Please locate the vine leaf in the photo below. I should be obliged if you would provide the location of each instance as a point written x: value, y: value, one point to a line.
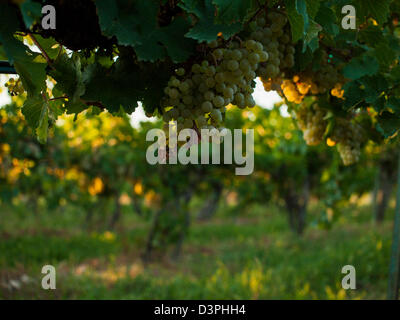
x: 117, y: 20
x: 115, y: 87
x: 27, y: 63
x: 374, y: 86
x: 385, y: 55
x: 231, y: 11
x: 36, y: 113
x: 353, y: 94
x: 206, y: 29
x: 379, y: 10
x: 388, y: 124
x: 31, y: 12
x: 311, y: 37
x: 135, y: 24
x: 327, y: 19
x: 43, y: 126
x: 313, y: 7
x: 361, y: 66
x: 167, y: 41
x: 296, y: 20
x: 68, y: 74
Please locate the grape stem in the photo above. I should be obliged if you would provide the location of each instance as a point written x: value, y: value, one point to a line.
x: 94, y: 103
x: 88, y: 103
x: 58, y: 98
x: 240, y: 40
x: 45, y: 55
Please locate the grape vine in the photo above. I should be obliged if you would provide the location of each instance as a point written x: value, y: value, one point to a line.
x: 189, y: 61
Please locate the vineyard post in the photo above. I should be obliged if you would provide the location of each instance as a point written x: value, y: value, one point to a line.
x: 394, y: 269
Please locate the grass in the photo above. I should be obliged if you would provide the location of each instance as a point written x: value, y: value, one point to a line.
x: 250, y: 257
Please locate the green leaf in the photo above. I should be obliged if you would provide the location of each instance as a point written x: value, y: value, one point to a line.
x: 49, y: 45
x: 379, y: 10
x: 231, y: 11
x: 75, y: 107
x: 394, y: 104
x: 135, y: 24
x: 301, y: 8
x: 388, y: 124
x: 380, y: 104
x: 327, y: 19
x: 313, y: 7
x: 374, y: 87
x: 296, y: 20
x: 169, y: 41
x: 36, y: 113
x: 26, y: 62
x: 68, y: 74
x: 395, y: 74
x: 372, y: 35
x: 43, y: 127
x: 113, y: 87
x: 303, y: 59
x: 33, y: 110
x: 31, y: 12
x: 206, y: 29
x: 361, y: 66
x: 353, y: 94
x: 312, y: 34
x: 385, y: 55
x: 116, y: 18
x: 33, y: 75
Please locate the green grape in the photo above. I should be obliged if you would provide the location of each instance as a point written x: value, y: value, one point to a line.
x: 218, y: 101
x: 220, y: 77
x: 173, y: 93
x: 201, y: 121
x: 213, y: 44
x: 233, y: 65
x: 228, y: 93
x: 218, y: 54
x: 209, y: 95
x: 237, y: 55
x: 184, y: 86
x: 188, y: 123
x: 188, y: 100
x: 220, y: 87
x: 174, y: 113
x: 186, y: 113
x: 207, y: 106
x: 196, y: 68
x: 210, y: 82
x: 180, y: 72
x: 216, y: 115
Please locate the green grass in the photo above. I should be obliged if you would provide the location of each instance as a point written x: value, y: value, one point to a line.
x: 249, y: 257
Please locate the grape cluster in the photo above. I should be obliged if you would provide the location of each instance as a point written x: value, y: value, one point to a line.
x: 346, y: 134
x: 272, y: 30
x: 201, y: 95
x: 15, y: 87
x: 198, y: 97
x: 327, y: 77
x: 311, y: 121
x: 338, y: 91
x: 349, y: 137
x: 294, y: 89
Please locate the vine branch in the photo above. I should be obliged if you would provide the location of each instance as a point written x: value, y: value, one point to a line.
x: 45, y: 55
